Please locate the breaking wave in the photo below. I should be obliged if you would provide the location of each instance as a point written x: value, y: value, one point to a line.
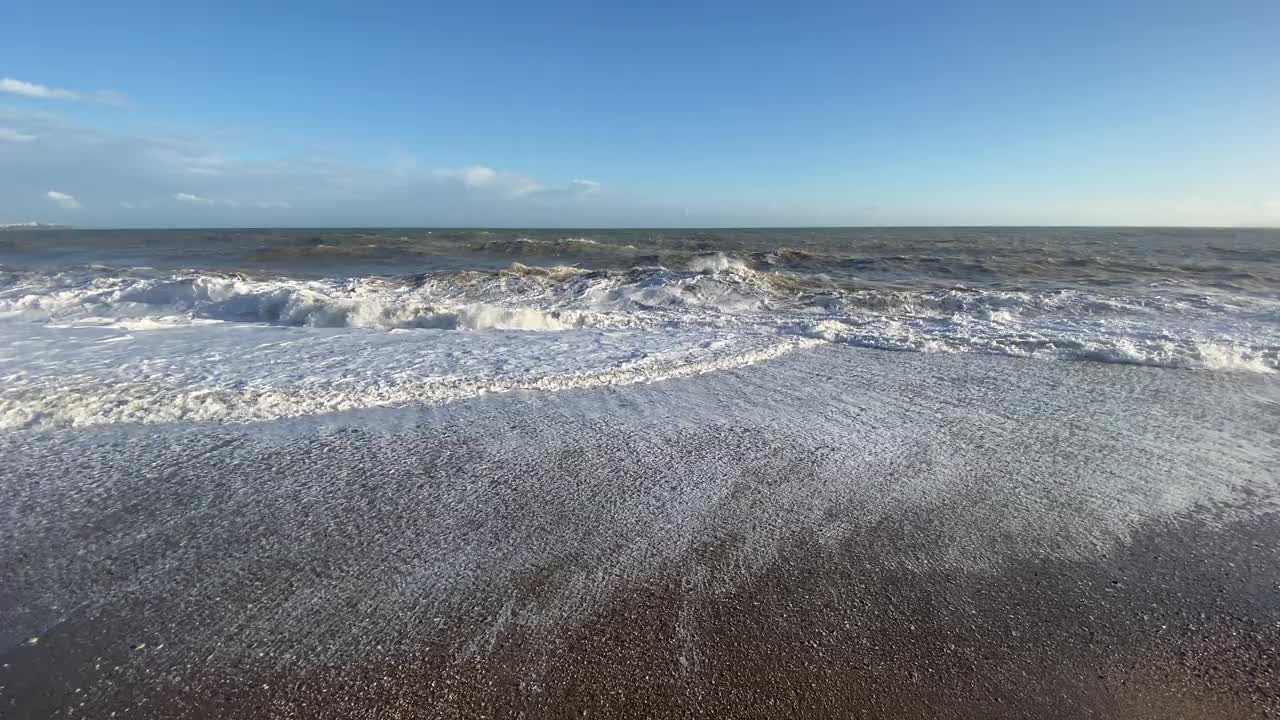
x: 360, y: 303
x: 712, y: 291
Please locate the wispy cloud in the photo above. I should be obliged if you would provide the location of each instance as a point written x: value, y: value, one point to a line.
x: 11, y: 135
x: 178, y: 178
x: 45, y: 92
x: 485, y: 178
x: 35, y: 90
x: 190, y: 199
x: 478, y: 176
x: 65, y: 201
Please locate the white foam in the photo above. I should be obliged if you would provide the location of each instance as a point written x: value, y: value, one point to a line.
x: 368, y: 303
x: 100, y: 345
x: 76, y: 376
x: 717, y: 262
x: 1061, y: 340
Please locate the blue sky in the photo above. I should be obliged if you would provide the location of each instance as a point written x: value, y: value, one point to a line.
x: 656, y: 113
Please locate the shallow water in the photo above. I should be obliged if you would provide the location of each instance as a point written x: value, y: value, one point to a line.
x: 832, y: 532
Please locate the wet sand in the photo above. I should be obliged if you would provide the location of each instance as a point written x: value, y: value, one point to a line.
x: 902, y: 537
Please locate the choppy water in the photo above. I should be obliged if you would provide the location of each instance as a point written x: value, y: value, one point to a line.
x: 144, y: 326
x: 1244, y: 260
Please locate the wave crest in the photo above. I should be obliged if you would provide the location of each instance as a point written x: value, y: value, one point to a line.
x: 365, y: 303
x: 712, y: 291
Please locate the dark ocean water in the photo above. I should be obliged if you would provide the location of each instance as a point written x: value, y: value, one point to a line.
x: 1240, y: 260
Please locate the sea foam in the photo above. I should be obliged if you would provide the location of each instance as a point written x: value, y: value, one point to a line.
x: 97, y: 345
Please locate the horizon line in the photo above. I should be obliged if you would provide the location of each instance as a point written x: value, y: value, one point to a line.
x: 616, y: 228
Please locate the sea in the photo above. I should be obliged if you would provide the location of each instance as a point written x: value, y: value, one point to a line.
x: 961, y: 472
x: 148, y: 326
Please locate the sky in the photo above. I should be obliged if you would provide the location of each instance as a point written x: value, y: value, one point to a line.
x: 588, y: 114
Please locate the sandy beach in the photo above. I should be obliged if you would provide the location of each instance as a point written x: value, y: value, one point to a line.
x: 840, y: 533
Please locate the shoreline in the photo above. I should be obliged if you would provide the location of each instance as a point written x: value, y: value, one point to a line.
x: 1043, y: 639
x: 830, y: 534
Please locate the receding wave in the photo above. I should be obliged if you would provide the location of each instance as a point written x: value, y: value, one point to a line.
x: 187, y: 383
x: 1101, y: 345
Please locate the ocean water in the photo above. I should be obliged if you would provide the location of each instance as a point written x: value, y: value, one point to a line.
x: 606, y: 472
x: 160, y: 326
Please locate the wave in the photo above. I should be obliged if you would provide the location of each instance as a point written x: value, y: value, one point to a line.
x: 155, y: 378
x: 527, y: 247
x: 711, y: 291
x: 362, y: 303
x: 519, y: 297
x: 717, y: 263
x: 1118, y: 345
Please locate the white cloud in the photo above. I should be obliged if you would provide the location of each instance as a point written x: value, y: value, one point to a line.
x: 11, y: 135
x: 478, y: 176
x: 484, y: 178
x: 44, y: 92
x: 131, y: 179
x: 33, y: 90
x: 65, y: 201
x: 192, y: 199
